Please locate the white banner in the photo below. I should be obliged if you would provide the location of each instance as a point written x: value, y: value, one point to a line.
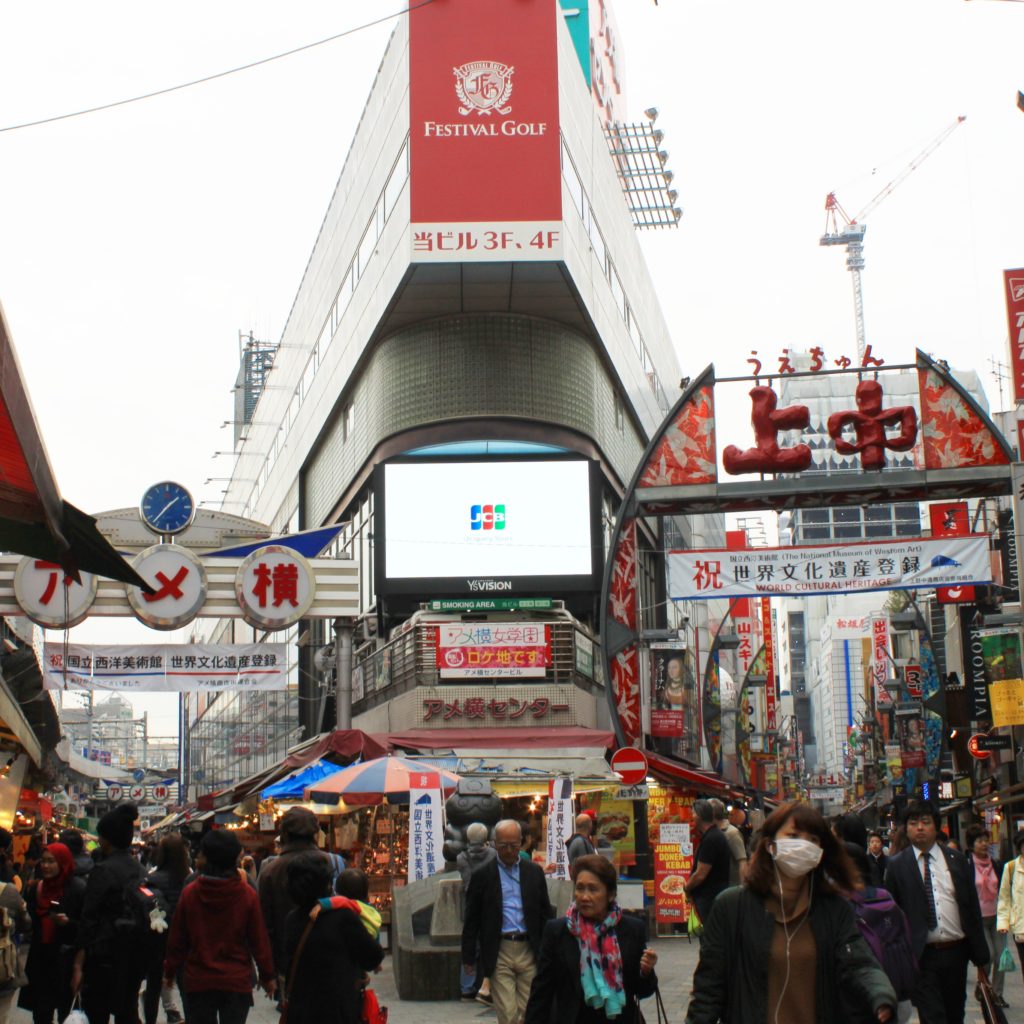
x: 426, y: 825
x: 165, y: 667
x: 906, y: 564
x: 561, y: 824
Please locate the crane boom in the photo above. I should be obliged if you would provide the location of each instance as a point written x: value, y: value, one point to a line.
x: 841, y: 229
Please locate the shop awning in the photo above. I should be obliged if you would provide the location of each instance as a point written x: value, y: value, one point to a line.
x: 675, y: 772
x: 34, y: 519
x: 291, y: 787
x: 557, y: 738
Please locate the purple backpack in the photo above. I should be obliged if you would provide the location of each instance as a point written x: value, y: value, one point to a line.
x: 885, y: 929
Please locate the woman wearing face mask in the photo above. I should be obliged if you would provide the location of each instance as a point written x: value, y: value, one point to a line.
x: 784, y: 945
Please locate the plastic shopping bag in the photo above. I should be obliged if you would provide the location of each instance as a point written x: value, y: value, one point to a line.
x: 694, y: 926
x: 1006, y: 957
x: 77, y: 1014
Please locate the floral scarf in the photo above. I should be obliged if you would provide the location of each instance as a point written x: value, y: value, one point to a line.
x: 600, y: 960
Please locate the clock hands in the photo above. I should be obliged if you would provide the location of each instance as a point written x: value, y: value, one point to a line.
x: 160, y: 514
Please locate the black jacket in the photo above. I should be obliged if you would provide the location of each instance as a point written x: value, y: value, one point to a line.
x: 997, y: 866
x: 104, y: 903
x: 326, y: 987
x: 170, y: 888
x: 878, y: 867
x: 557, y: 993
x: 904, y: 881
x: 49, y: 965
x: 483, y: 912
x: 731, y: 981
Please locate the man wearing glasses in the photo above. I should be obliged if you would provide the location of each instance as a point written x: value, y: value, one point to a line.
x: 507, y: 906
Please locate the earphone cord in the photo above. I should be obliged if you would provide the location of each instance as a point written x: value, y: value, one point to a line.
x: 785, y: 928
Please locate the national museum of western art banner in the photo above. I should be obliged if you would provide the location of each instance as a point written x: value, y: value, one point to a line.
x: 176, y: 668
x: 905, y: 564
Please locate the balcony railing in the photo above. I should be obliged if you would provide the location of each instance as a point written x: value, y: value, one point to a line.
x: 410, y: 660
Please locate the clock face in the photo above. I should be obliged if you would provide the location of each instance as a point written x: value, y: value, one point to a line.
x: 167, y: 507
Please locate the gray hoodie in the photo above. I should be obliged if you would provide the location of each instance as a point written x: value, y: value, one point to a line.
x: 472, y: 857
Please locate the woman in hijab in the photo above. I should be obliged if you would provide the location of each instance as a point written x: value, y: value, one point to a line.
x: 55, y: 903
x: 594, y: 962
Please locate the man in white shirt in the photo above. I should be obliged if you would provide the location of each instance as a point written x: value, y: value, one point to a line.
x: 933, y: 886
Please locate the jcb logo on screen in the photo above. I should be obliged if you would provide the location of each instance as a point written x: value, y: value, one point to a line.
x: 487, y: 517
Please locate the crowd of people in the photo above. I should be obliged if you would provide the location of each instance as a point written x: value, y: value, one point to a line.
x: 195, y: 929
x: 822, y: 922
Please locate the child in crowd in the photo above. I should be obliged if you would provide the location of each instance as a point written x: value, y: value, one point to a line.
x: 353, y: 893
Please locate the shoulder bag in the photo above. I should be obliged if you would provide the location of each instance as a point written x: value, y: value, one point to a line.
x: 295, y: 964
x: 659, y: 1006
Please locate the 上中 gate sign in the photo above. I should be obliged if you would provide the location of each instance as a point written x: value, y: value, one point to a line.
x: 905, y: 564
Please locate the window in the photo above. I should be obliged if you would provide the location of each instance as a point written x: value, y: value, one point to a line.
x: 399, y: 175
x: 617, y: 293
x: 366, y: 247
x: 572, y: 181
x: 346, y: 422
x: 620, y: 415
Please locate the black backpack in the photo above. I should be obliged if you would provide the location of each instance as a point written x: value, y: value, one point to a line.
x: 885, y: 929
x: 143, y: 908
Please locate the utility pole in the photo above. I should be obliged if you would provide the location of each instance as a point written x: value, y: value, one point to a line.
x: 343, y: 673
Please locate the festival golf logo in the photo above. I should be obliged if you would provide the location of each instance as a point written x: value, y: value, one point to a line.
x: 483, y: 86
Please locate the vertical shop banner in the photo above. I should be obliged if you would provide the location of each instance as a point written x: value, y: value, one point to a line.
x: 1013, y: 281
x: 485, y: 162
x: 673, y: 862
x: 670, y: 693
x: 561, y: 821
x: 894, y: 763
x: 910, y: 730
x: 771, y: 690
x: 976, y: 677
x: 426, y: 826
x: 1007, y: 547
x: 951, y: 519
x: 880, y: 657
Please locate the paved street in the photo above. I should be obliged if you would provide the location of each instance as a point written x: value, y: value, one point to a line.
x: 676, y: 961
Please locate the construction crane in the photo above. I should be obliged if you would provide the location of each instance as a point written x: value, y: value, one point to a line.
x: 841, y: 229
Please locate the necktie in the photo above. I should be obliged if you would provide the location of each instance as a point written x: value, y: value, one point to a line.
x: 929, y: 892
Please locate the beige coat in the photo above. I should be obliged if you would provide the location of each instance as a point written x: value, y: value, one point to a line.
x: 1010, y: 907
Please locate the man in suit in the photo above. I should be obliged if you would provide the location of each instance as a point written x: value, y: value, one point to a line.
x: 933, y: 886
x: 507, y: 906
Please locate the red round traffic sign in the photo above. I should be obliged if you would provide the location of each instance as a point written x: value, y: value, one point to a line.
x: 974, y: 748
x: 630, y: 765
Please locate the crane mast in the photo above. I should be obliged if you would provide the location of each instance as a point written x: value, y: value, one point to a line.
x: 841, y: 229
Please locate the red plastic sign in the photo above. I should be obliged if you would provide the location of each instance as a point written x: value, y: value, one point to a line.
x: 974, y: 748
x: 630, y: 765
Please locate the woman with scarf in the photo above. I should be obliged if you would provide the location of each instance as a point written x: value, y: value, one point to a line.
x: 55, y: 904
x: 987, y: 873
x: 594, y: 962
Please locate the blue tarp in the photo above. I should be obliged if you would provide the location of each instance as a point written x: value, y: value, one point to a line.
x: 292, y: 787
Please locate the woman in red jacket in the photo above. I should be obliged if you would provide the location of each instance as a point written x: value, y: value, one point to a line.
x: 217, y: 932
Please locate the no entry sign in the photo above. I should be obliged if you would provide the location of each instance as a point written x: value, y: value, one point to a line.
x: 630, y: 765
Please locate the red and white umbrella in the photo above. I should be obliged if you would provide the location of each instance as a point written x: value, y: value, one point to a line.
x: 382, y: 780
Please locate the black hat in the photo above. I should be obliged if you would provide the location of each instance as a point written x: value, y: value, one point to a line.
x: 1018, y: 840
x: 221, y: 849
x: 118, y: 826
x: 299, y: 823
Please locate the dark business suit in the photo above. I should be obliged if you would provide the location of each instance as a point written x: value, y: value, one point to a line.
x: 941, y: 991
x: 557, y: 993
x: 484, y: 910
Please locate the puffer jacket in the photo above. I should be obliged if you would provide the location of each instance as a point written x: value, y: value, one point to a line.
x: 1010, y: 905
x: 731, y: 983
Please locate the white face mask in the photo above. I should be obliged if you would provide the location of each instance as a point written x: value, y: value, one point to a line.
x: 796, y: 857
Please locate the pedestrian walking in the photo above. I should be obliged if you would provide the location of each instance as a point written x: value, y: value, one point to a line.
x: 72, y: 839
x: 733, y: 836
x: 877, y: 860
x: 216, y: 934
x: 171, y: 873
x: 579, y: 843
x: 109, y: 966
x: 933, y: 886
x: 55, y: 905
x: 477, y: 853
x: 506, y: 908
x: 987, y: 873
x: 326, y: 955
x: 1010, y: 905
x: 710, y: 875
x: 298, y: 831
x: 784, y: 948
x: 594, y: 963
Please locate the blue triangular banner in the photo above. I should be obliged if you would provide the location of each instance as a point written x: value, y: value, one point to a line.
x: 309, y: 543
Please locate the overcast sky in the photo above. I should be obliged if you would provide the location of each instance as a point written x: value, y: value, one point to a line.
x: 136, y: 243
